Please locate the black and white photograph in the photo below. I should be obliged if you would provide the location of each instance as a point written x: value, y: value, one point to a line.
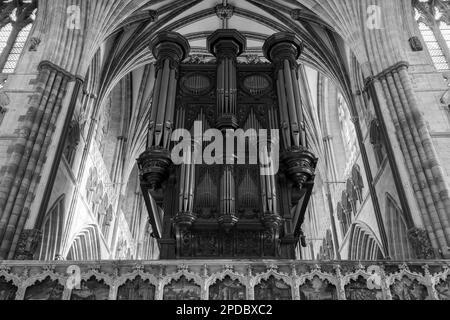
x: 220, y: 158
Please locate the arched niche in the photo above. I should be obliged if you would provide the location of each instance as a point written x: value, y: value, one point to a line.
x: 91, y: 289
x: 273, y: 288
x: 138, y: 288
x: 182, y: 289
x: 357, y: 289
x: 318, y: 289
x: 46, y: 289
x: 227, y: 289
x: 7, y: 289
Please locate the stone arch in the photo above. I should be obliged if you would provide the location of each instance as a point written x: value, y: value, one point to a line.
x: 397, y: 231
x: 377, y: 141
x: 364, y: 245
x: 52, y: 231
x: 86, y: 245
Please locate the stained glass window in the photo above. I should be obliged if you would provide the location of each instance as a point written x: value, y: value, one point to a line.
x: 5, y: 32
x: 16, y: 50
x: 433, y: 47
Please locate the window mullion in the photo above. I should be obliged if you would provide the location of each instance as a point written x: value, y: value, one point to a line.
x: 441, y: 41
x: 16, y: 27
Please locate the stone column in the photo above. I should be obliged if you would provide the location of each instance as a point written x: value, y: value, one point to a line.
x: 393, y: 89
x: 28, y: 155
x: 283, y: 50
x: 169, y: 49
x: 227, y: 45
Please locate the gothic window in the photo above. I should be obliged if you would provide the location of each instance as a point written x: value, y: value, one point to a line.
x: 52, y: 231
x: 86, y: 246
x: 434, y: 48
x: 72, y: 141
x: 5, y: 32
x: 329, y: 246
x: 97, y: 197
x: 364, y: 246
x: 352, y: 196
x: 91, y: 183
x: 102, y: 210
x: 348, y: 131
x: 435, y: 30
x: 377, y: 140
x: 358, y: 182
x: 106, y: 224
x: 346, y: 205
x: 16, y: 50
x: 343, y: 219
x: 15, y: 27
x: 397, y: 230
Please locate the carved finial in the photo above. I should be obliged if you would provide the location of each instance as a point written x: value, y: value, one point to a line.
x: 183, y: 267
x: 293, y: 270
x: 250, y: 271
x: 48, y: 268
x: 361, y: 267
x: 116, y: 269
x: 229, y: 267
x: 139, y: 267
x: 5, y: 268
x: 162, y: 271
x: 403, y: 267
x: 317, y: 267
x: 25, y: 272
x: 272, y: 267
x: 224, y: 12
x: 205, y: 271
x: 337, y: 268
x: 426, y: 269
x: 34, y: 44
x: 95, y: 268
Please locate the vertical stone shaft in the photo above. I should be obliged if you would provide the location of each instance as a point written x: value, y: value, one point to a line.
x: 421, y: 159
x: 27, y: 159
x: 227, y: 45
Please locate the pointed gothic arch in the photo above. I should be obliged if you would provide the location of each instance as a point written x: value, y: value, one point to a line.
x: 377, y: 141
x: 397, y: 231
x: 364, y: 245
x: 52, y: 231
x: 86, y: 245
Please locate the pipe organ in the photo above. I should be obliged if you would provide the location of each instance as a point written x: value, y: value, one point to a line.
x: 233, y: 207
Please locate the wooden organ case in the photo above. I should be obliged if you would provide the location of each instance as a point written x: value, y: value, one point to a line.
x: 227, y: 211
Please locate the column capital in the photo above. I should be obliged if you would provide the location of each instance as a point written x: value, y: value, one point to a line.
x: 283, y: 45
x: 170, y: 45
x: 227, y: 41
x: 53, y: 67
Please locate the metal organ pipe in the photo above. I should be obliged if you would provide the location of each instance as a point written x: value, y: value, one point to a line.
x: 227, y: 45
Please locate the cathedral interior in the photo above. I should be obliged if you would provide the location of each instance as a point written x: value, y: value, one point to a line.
x: 353, y: 96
